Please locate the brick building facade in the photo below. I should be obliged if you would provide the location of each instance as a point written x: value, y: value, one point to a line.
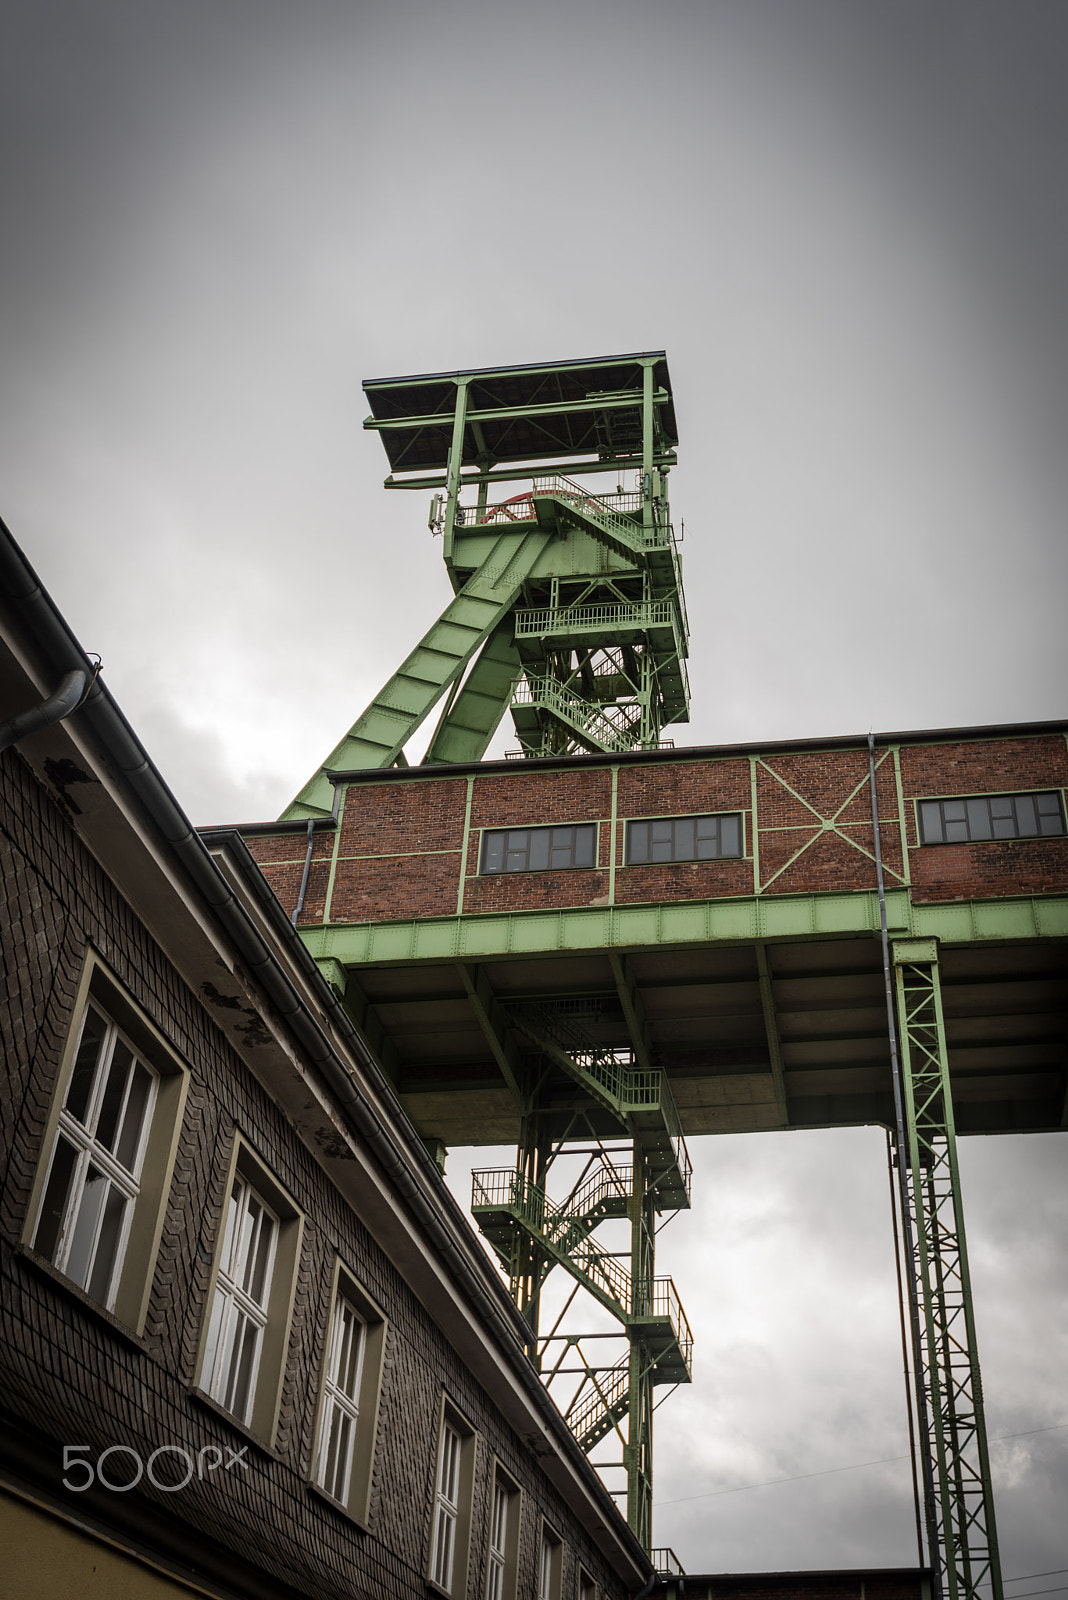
x: 409, y: 845
x: 207, y: 1187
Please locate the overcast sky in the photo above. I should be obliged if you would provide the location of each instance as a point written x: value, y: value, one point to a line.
x: 847, y: 223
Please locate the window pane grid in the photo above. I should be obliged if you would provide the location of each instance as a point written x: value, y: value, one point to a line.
x: 498, y: 1550
x: 239, y: 1311
x: 93, y: 1181
x: 447, y: 1507
x: 994, y: 816
x: 341, y: 1389
x: 539, y: 849
x: 708, y: 838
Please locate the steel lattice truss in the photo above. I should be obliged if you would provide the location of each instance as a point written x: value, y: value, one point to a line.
x: 960, y: 1511
x: 532, y: 1234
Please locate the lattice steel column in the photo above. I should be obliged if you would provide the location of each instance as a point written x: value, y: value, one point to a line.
x: 638, y: 1454
x: 947, y: 1377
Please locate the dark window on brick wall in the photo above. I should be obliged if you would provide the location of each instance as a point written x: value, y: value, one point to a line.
x: 537, y: 849
x: 991, y: 816
x: 684, y: 838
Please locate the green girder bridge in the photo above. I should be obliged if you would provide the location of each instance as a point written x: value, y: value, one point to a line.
x: 596, y: 1032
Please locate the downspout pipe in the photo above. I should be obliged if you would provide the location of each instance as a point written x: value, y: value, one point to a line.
x: 104, y: 722
x: 299, y: 907
x: 67, y: 698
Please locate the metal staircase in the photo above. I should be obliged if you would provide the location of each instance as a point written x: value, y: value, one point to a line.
x: 639, y: 1097
x: 532, y: 1233
x: 502, y: 1200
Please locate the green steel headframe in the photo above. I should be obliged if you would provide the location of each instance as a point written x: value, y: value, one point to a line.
x: 568, y: 611
x: 567, y: 602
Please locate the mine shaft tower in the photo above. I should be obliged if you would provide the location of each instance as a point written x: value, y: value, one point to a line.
x: 567, y: 606
x: 568, y: 612
x: 605, y: 944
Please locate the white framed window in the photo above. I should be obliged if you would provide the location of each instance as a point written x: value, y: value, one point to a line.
x: 97, y: 1208
x: 348, y: 1402
x: 502, y: 1556
x: 550, y: 1564
x: 451, y: 1532
x: 446, y: 1507
x: 250, y: 1299
x: 341, y: 1400
x: 587, y: 1589
x: 93, y: 1178
x: 241, y: 1300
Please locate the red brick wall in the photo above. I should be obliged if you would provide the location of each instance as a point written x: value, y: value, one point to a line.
x: 400, y: 843
x: 503, y: 800
x: 397, y: 818
x: 683, y: 788
x: 987, y: 766
x: 396, y: 888
x: 993, y: 867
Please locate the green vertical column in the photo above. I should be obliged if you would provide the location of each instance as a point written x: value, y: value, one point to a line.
x: 528, y: 1262
x: 638, y: 1451
x: 452, y: 487
x: 948, y: 1378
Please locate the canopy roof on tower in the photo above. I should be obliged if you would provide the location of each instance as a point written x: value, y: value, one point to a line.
x: 547, y: 411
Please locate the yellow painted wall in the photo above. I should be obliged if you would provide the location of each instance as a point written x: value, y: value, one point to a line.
x: 44, y: 1557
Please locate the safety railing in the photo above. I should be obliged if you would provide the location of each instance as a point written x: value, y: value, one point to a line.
x: 602, y: 1395
x: 497, y: 1188
x: 593, y: 720
x: 565, y: 1228
x: 607, y: 1067
x: 604, y: 509
x: 633, y: 1088
x: 666, y: 1562
x: 560, y: 1227
x: 670, y: 1113
x: 606, y: 1183
x: 520, y: 508
x: 661, y: 1300
x: 601, y: 618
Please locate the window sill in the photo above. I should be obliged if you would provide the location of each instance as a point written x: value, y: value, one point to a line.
x: 528, y: 872
x: 266, y: 1450
x: 338, y: 1506
x: 28, y: 1257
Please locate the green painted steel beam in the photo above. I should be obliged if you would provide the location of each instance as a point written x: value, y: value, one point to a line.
x: 620, y: 463
x: 559, y: 408
x: 771, y: 1028
x: 493, y: 1021
x: 472, y: 718
x: 633, y: 1009
x: 524, y: 370
x: 744, y: 920
x: 380, y: 734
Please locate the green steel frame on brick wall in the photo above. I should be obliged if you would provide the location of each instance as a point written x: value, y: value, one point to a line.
x: 568, y: 612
